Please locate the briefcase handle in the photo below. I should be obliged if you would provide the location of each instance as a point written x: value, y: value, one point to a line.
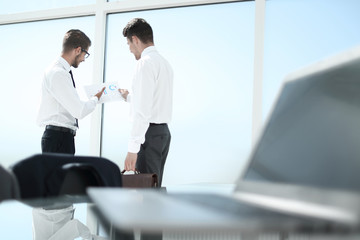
x: 135, y: 172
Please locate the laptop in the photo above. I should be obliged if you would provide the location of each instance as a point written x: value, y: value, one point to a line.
x: 303, y: 172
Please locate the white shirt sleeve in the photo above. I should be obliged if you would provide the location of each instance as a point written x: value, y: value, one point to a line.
x: 66, y: 95
x: 142, y: 102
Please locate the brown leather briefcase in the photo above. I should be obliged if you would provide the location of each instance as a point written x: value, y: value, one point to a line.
x: 139, y: 180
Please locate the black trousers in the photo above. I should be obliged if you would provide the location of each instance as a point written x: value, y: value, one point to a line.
x: 153, y: 152
x: 57, y: 142
x: 152, y: 157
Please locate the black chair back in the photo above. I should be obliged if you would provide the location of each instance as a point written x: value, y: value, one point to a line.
x: 9, y: 188
x: 52, y: 174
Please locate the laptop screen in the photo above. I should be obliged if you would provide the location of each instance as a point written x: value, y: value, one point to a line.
x: 312, y: 137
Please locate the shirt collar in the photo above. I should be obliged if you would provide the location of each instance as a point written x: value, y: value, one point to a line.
x: 64, y: 63
x: 148, y: 50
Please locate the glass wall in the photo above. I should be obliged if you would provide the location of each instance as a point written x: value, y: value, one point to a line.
x: 8, y: 7
x: 298, y: 33
x: 211, y: 51
x: 27, y: 49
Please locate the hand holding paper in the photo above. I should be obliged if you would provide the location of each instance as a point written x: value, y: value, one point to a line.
x: 110, y: 92
x: 99, y: 94
x: 124, y: 93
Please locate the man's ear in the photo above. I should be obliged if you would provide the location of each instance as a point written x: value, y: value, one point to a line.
x: 135, y: 39
x: 77, y: 50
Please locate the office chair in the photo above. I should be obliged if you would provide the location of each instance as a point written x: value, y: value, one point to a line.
x: 77, y: 177
x: 49, y: 175
x: 9, y: 188
x: 53, y: 174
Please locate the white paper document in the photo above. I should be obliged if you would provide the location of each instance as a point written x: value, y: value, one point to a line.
x: 111, y: 92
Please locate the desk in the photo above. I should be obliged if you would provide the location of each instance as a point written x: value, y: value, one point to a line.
x: 16, y: 222
x: 16, y: 217
x: 133, y: 209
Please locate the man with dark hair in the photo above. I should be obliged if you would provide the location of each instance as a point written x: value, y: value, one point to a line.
x: 75, y: 38
x: 151, y: 102
x: 141, y: 29
x: 61, y: 106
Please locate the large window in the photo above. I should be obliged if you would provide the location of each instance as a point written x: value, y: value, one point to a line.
x: 211, y: 51
x: 8, y: 7
x: 26, y: 51
x: 298, y: 33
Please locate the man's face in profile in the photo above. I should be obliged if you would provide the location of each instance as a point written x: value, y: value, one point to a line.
x: 134, y: 47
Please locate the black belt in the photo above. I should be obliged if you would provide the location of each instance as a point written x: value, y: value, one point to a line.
x: 61, y: 129
x: 154, y: 124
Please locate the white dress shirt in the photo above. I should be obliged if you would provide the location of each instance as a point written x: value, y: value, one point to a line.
x: 152, y: 95
x: 60, y: 103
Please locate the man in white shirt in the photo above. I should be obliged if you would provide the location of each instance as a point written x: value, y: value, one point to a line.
x: 151, y: 102
x: 61, y: 106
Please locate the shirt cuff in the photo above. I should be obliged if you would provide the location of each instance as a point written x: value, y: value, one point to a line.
x: 133, y: 147
x: 128, y: 98
x: 94, y: 99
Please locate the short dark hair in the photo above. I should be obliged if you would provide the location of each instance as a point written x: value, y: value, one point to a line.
x: 75, y: 38
x: 140, y: 28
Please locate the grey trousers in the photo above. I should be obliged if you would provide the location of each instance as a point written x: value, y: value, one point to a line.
x: 153, y: 152
x: 152, y: 157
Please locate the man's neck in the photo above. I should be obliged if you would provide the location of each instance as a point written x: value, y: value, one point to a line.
x: 144, y: 46
x: 67, y: 57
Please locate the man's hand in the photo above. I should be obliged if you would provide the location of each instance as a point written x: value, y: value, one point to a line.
x: 124, y: 93
x: 99, y: 94
x: 130, y: 161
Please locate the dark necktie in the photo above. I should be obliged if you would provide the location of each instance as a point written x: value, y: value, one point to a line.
x: 72, y: 78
